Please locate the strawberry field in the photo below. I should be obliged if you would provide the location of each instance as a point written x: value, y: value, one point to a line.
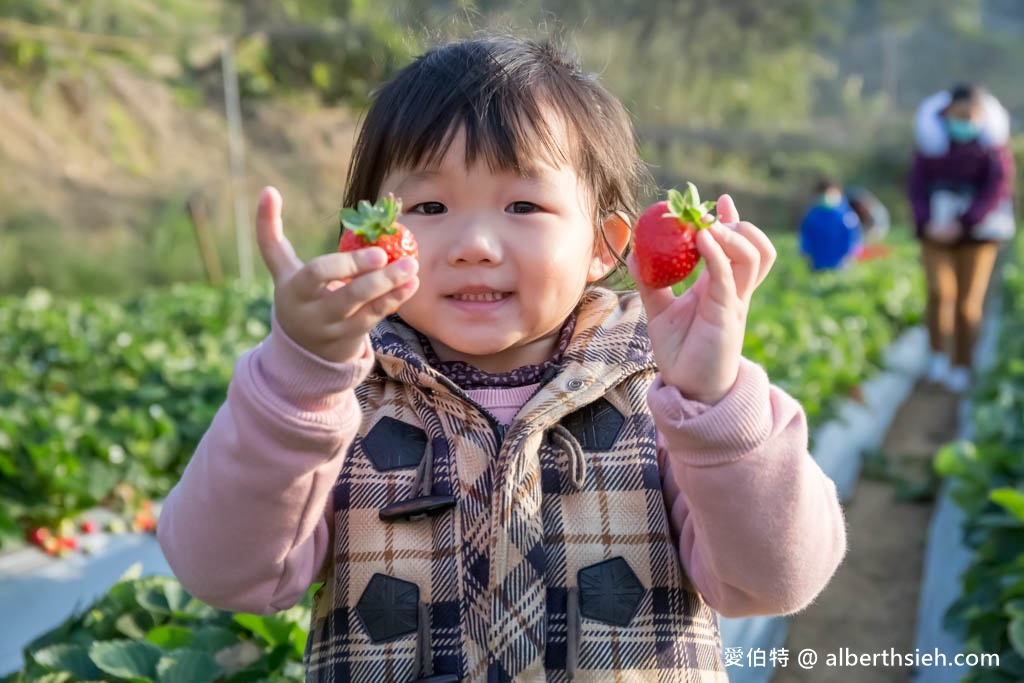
x: 103, y: 401
x: 987, y: 476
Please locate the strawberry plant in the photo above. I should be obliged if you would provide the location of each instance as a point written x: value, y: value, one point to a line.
x: 151, y: 630
x: 987, y: 477
x: 97, y: 393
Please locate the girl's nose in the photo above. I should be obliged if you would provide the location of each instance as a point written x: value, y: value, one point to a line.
x: 474, y: 242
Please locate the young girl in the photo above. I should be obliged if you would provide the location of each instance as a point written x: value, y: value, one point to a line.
x: 520, y: 475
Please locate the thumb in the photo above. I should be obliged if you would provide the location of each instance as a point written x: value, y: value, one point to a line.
x: 276, y: 250
x: 726, y: 210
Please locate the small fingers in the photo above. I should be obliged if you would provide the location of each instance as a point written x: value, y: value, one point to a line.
x: 341, y: 266
x: 764, y: 246
x: 372, y: 312
x: 726, y: 210
x: 721, y: 282
x: 743, y: 255
x: 368, y: 288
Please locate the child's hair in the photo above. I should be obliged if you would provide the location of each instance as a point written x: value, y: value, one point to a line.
x: 969, y: 94
x: 965, y: 92
x: 824, y: 184
x: 496, y: 89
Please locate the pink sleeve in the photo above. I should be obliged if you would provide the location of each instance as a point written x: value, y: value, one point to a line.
x: 245, y: 527
x: 759, y: 524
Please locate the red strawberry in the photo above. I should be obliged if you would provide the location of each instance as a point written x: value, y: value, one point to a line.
x: 144, y: 521
x: 38, y: 536
x: 89, y: 527
x: 52, y: 545
x: 68, y: 543
x: 665, y: 238
x: 375, y: 225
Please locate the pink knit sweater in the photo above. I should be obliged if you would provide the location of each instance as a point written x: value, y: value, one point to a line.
x: 759, y: 525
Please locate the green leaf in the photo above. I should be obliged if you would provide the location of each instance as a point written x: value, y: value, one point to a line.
x: 239, y: 661
x: 188, y: 666
x: 273, y: 629
x: 688, y: 207
x: 214, y: 638
x: 1010, y: 499
x: 127, y: 658
x: 676, y: 203
x: 1016, y: 634
x: 1014, y: 609
x: 372, y: 220
x: 692, y: 196
x: 71, y: 658
x: 177, y: 598
x: 171, y: 637
x: 152, y: 598
x: 128, y: 625
x: 948, y: 462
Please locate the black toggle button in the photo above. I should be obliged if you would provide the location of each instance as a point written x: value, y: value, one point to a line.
x: 415, y: 508
x: 442, y: 678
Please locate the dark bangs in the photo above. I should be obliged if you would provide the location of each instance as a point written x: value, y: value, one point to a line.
x: 498, y: 90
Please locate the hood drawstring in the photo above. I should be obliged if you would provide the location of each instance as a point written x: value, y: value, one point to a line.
x: 564, y: 439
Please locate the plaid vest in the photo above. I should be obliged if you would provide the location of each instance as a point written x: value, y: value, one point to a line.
x: 465, y: 551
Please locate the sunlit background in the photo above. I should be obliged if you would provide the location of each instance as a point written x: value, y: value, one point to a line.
x: 113, y: 112
x: 135, y: 136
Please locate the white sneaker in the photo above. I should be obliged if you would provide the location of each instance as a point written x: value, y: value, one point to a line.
x: 938, y: 368
x: 958, y: 379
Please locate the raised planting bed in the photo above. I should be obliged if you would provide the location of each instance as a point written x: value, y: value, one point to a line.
x: 986, y: 481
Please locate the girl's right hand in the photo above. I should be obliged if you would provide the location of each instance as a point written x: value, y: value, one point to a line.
x: 312, y: 305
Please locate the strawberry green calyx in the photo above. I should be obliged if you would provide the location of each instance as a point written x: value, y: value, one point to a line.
x: 688, y: 207
x: 373, y: 220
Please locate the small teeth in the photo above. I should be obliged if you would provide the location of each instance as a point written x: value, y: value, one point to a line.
x: 491, y: 296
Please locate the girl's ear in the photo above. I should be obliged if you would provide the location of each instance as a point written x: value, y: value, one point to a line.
x: 616, y: 233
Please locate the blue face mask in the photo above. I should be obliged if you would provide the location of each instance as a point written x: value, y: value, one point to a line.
x: 962, y: 131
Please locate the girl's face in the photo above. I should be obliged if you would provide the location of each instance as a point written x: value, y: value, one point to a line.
x: 503, y: 259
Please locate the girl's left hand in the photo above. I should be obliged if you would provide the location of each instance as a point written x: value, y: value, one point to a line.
x: 697, y: 337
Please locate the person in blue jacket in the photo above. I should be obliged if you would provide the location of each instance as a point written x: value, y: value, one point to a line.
x: 830, y: 233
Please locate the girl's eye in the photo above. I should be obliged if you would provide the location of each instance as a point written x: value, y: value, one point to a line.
x: 522, y: 207
x: 429, y: 208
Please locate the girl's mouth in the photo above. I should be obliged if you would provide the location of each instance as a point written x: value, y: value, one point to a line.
x: 484, y: 297
x: 479, y: 302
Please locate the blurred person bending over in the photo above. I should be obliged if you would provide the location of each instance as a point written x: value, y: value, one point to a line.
x: 960, y: 188
x: 830, y: 232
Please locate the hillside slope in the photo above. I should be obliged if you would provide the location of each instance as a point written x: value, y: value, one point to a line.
x: 101, y: 163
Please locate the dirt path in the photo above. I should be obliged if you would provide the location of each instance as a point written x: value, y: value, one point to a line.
x: 871, y: 604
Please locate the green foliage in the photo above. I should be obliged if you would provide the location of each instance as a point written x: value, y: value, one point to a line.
x: 820, y: 334
x: 987, y: 477
x: 95, y: 392
x: 150, y: 631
